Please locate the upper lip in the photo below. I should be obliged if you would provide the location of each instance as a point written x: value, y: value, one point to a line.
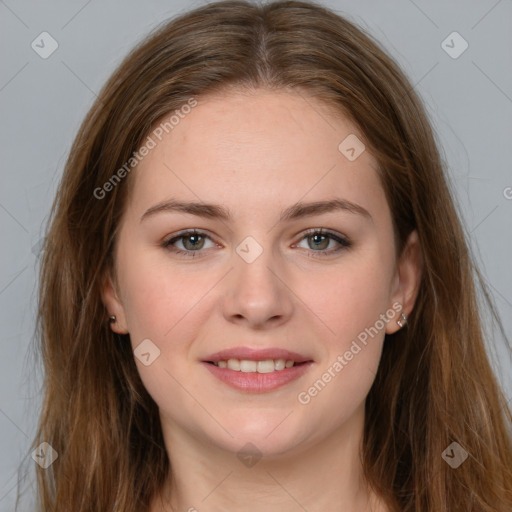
x: 251, y: 354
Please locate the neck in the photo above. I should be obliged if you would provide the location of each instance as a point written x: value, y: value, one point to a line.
x: 322, y: 476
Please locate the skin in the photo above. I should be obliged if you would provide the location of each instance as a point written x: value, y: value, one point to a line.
x: 258, y: 153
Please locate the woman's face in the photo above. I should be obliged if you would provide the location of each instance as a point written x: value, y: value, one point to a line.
x: 258, y: 285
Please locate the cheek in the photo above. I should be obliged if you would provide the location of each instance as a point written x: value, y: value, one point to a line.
x: 349, y: 298
x: 169, y: 307
x: 166, y: 309
x: 156, y: 300
x: 355, y: 305
x: 352, y: 308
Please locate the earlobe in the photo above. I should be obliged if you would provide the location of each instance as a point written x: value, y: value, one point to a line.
x: 409, y: 272
x: 115, y: 311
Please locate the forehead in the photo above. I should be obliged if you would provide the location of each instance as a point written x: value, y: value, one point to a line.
x: 257, y: 149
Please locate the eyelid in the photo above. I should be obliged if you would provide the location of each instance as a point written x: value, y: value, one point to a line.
x: 342, y: 240
x: 325, y: 231
x: 183, y: 232
x: 166, y: 242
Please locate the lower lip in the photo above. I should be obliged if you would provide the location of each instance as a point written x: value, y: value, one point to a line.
x: 258, y: 382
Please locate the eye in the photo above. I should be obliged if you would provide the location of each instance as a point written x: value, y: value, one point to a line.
x: 192, y: 241
x: 319, y: 240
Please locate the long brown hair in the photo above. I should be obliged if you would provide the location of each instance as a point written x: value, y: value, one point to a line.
x: 435, y: 385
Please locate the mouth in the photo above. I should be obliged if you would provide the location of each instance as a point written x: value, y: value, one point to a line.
x: 257, y: 371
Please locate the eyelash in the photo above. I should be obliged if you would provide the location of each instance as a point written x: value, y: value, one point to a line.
x: 343, y: 241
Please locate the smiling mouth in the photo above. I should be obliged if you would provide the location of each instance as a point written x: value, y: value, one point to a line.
x: 251, y: 366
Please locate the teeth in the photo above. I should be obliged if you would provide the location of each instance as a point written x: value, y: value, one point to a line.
x: 267, y: 366
x: 234, y: 364
x: 246, y: 366
x: 280, y: 364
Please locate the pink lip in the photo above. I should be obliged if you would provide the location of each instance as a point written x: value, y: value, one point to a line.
x: 251, y: 354
x: 257, y: 382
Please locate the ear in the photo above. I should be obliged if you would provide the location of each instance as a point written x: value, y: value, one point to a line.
x: 110, y: 298
x: 407, y: 279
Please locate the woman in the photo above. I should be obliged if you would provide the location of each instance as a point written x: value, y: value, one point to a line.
x: 256, y: 293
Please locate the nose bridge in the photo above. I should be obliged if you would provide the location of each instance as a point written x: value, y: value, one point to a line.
x: 255, y: 290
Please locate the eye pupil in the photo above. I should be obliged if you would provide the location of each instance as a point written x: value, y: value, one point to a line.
x: 317, y: 236
x: 195, y: 245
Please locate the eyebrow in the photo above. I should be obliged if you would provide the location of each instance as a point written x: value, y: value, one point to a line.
x: 296, y: 211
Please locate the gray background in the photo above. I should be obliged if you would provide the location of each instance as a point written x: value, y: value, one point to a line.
x: 43, y: 101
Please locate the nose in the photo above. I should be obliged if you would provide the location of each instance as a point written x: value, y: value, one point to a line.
x: 257, y: 294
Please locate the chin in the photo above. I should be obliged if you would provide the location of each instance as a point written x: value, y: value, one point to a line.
x: 271, y: 434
